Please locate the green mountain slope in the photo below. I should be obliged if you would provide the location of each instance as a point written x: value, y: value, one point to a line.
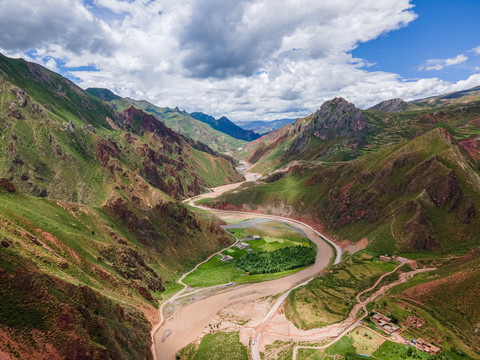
x: 456, y: 97
x: 419, y: 195
x: 185, y: 124
x: 305, y: 142
x: 90, y: 219
x: 177, y: 120
x: 337, y: 131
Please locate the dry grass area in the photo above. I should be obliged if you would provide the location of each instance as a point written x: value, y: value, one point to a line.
x: 366, y: 341
x: 329, y: 299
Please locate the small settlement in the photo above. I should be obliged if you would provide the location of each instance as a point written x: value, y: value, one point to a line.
x: 242, y: 245
x: 384, y: 323
x: 388, y: 258
x: 422, y: 345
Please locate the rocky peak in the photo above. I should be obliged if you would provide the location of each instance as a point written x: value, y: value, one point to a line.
x: 338, y: 118
x: 392, y: 105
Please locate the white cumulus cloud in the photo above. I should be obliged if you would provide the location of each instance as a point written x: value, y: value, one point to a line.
x: 440, y: 64
x: 246, y: 59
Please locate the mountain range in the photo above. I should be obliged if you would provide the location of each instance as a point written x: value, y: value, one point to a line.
x: 263, y: 127
x: 221, y: 135
x: 94, y: 232
x: 226, y: 126
x: 92, y: 227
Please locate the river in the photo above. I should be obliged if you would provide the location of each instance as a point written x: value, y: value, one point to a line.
x: 187, y: 322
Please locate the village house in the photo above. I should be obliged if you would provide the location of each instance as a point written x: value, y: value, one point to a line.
x: 251, y: 237
x: 385, y: 258
x: 424, y: 346
x: 226, y: 258
x: 242, y: 245
x: 384, y: 323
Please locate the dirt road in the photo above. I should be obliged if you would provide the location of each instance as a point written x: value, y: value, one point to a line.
x: 188, y: 322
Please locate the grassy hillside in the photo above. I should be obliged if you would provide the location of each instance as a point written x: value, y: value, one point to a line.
x: 89, y: 209
x: 419, y: 195
x: 289, y: 144
x: 328, y: 299
x: 81, y: 162
x: 179, y: 121
x: 449, y: 297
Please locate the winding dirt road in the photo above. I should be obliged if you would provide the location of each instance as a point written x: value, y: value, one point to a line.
x: 337, y: 331
x: 188, y: 322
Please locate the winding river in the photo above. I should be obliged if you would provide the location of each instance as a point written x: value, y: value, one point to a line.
x: 188, y: 321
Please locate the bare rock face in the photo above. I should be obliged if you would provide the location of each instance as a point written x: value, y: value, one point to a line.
x: 14, y: 112
x: 338, y: 118
x: 392, y: 105
x: 22, y: 98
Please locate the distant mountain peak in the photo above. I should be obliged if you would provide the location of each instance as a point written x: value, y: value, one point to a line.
x: 338, y: 117
x: 226, y: 126
x: 102, y: 93
x: 392, y: 105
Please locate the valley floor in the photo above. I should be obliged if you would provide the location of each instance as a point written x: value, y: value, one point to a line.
x: 255, y: 311
x: 188, y: 322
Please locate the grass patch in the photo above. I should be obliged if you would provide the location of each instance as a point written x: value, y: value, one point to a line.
x: 216, y: 346
x: 329, y: 299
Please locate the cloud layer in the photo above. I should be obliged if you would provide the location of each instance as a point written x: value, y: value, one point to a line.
x: 247, y: 59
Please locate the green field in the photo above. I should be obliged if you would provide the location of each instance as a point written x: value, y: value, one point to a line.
x: 274, y: 236
x: 328, y: 299
x: 218, y: 346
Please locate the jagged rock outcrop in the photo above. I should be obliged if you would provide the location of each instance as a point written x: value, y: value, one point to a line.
x: 338, y: 118
x: 22, y: 99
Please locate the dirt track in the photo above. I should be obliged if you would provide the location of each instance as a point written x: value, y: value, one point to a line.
x: 188, y: 323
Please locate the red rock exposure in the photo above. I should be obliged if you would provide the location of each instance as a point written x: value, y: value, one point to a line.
x: 471, y: 147
x: 106, y: 150
x: 7, y: 185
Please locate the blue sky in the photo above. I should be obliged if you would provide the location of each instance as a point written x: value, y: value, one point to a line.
x: 251, y: 59
x: 443, y: 29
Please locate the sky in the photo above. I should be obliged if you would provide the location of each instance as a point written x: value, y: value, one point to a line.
x: 251, y: 59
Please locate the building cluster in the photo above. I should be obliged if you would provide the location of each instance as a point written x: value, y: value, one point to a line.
x: 415, y: 321
x: 242, y: 245
x: 251, y: 237
x: 384, y: 323
x: 422, y: 345
x: 393, y: 258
